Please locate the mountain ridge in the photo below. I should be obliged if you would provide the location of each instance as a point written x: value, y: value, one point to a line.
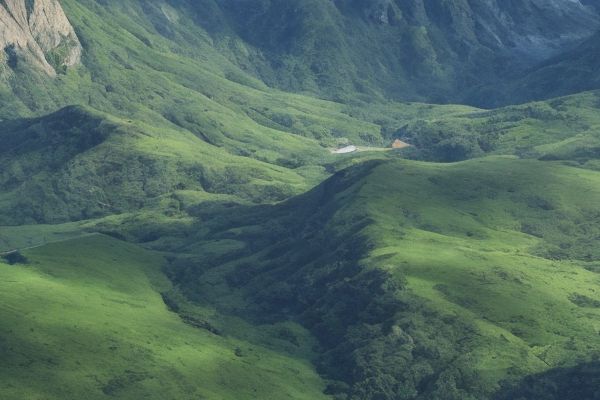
x: 179, y: 225
x: 396, y: 319
x: 419, y: 51
x: 347, y: 51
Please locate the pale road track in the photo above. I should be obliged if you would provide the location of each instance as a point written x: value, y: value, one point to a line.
x: 4, y: 252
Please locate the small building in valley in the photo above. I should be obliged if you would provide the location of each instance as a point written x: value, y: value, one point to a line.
x: 399, y: 144
x: 345, y: 150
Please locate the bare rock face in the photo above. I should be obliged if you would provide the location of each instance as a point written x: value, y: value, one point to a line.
x: 37, y: 32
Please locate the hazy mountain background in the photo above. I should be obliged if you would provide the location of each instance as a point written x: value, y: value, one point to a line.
x: 183, y: 229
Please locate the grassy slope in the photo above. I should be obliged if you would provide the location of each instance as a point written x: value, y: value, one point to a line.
x: 163, y: 110
x: 486, y: 265
x: 85, y: 319
x: 564, y: 128
x: 430, y: 232
x: 421, y: 50
x: 24, y: 236
x: 79, y: 163
x: 82, y: 164
x: 134, y: 69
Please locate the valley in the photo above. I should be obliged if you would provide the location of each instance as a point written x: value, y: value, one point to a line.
x: 268, y: 199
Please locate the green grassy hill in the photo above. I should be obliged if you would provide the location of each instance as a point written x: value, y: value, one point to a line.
x: 564, y: 128
x: 85, y: 319
x: 80, y: 164
x: 180, y: 81
x: 267, y: 267
x: 132, y: 69
x: 159, y: 112
x: 421, y: 281
x: 417, y: 281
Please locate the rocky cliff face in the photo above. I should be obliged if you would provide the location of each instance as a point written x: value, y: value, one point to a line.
x: 38, y: 33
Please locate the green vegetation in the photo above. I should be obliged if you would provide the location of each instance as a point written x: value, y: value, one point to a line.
x: 14, y: 257
x: 173, y: 224
x: 85, y: 319
x: 158, y: 116
x: 576, y: 383
x: 560, y: 129
x: 433, y: 51
x: 26, y: 236
x: 79, y: 164
x: 56, y: 57
x: 571, y: 72
x: 421, y: 281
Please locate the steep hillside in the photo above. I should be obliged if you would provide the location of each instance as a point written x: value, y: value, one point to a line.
x: 410, y: 50
x: 165, y: 113
x: 421, y: 281
x: 346, y: 50
x: 572, y: 71
x: 129, y: 69
x: 79, y: 164
x: 463, y: 266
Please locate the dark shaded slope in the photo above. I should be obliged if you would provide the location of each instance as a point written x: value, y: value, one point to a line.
x: 306, y: 262
x: 573, y: 71
x: 68, y: 132
x: 411, y: 50
x: 578, y: 383
x: 421, y: 281
x: 79, y: 164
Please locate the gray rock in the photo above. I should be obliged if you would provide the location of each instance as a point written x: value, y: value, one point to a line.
x: 37, y: 33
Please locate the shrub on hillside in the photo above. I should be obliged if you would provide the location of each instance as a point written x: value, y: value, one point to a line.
x: 14, y: 257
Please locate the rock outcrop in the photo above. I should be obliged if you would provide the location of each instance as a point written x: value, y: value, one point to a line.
x: 37, y: 32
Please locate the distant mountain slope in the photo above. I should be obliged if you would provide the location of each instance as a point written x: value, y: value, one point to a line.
x: 411, y: 50
x: 165, y: 96
x: 130, y: 69
x: 172, y: 118
x: 422, y: 281
x: 573, y: 71
x: 432, y: 51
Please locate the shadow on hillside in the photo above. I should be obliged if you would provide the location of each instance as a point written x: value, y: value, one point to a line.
x: 577, y: 383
